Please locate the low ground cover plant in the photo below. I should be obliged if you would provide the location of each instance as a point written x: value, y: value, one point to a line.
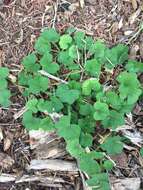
x: 89, y: 85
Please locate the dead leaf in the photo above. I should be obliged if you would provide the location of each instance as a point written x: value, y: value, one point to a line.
x: 134, y: 4
x: 5, y: 161
x: 8, y: 140
x: 121, y: 160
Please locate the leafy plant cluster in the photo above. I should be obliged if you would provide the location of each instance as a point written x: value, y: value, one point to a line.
x: 99, y: 87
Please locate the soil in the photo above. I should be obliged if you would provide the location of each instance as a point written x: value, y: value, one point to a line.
x: 114, y: 21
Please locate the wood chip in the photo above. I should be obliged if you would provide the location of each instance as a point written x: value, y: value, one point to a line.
x: 5, y: 178
x: 44, y: 179
x: 1, y: 134
x: 39, y: 137
x: 82, y: 3
x: 128, y: 32
x: 53, y: 165
x: 126, y: 184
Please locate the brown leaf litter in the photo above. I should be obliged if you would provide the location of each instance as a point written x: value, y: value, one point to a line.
x: 20, y: 23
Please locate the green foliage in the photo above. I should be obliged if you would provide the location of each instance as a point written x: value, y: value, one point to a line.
x: 65, y: 41
x: 50, y: 35
x: 99, y: 181
x: 90, y: 85
x: 129, y: 87
x: 116, y: 56
x: 141, y: 152
x: 79, y: 39
x: 134, y: 66
x: 4, y: 92
x: 101, y: 111
x: 29, y: 63
x: 42, y: 46
x: 48, y: 65
x: 38, y: 84
x: 113, y: 145
x: 86, y: 106
x: 93, y: 67
x: 91, y: 168
x: 108, y: 165
x: 85, y: 140
x: 67, y: 95
x: 113, y: 120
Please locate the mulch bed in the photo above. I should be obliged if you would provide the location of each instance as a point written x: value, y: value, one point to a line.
x: 20, y: 23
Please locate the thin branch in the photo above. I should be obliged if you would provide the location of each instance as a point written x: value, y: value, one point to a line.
x: 55, y: 13
x: 44, y: 73
x: 20, y: 113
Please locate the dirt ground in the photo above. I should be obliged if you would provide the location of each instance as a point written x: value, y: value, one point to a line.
x: 115, y: 21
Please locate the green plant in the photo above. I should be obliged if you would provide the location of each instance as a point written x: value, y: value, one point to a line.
x: 79, y: 93
x: 4, y: 92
